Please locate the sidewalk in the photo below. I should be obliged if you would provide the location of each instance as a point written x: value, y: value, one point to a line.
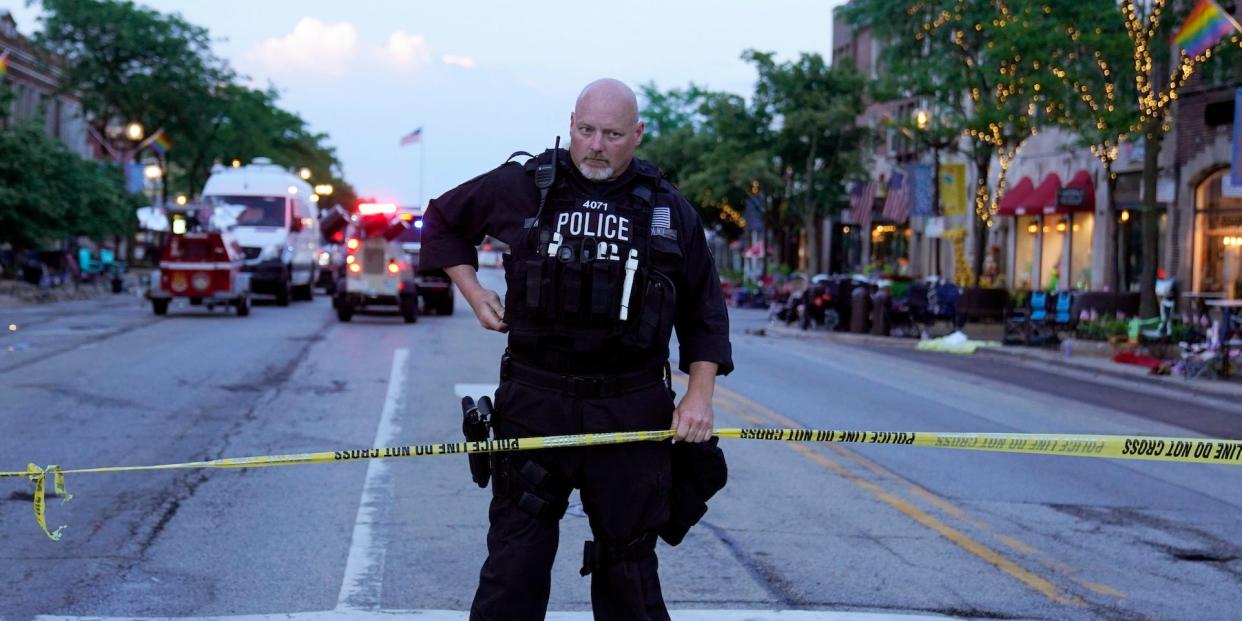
x: 19, y: 293
x: 1079, y: 365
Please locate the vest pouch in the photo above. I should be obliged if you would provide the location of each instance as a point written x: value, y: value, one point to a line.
x: 656, y: 311
x: 571, y: 289
x: 533, y: 282
x: 548, y: 295
x: 515, y: 296
x: 605, y: 291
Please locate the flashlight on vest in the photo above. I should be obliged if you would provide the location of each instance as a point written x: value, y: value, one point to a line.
x: 631, y: 266
x: 555, y: 244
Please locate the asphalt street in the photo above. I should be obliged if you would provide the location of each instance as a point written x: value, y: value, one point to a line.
x: 812, y: 531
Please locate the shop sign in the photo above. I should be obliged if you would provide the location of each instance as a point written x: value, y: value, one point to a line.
x: 1070, y: 197
x: 1221, y: 223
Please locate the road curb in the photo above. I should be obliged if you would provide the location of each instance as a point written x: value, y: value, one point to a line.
x: 1198, y: 388
x: 1016, y: 355
x: 844, y: 338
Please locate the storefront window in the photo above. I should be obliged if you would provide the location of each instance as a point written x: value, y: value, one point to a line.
x: 1218, y: 239
x: 1081, y: 227
x: 846, y: 249
x: 1129, y: 242
x: 890, y: 248
x: 1026, y: 272
x: 1053, y: 244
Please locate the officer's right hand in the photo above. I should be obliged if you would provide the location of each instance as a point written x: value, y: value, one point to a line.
x: 489, y: 310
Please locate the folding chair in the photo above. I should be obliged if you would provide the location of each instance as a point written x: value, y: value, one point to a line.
x: 1028, y: 326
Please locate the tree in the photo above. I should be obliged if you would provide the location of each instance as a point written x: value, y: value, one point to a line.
x: 130, y: 63
x: 965, y: 57
x: 709, y: 143
x: 1157, y: 87
x: 48, y: 192
x: 1096, y: 65
x: 817, y: 106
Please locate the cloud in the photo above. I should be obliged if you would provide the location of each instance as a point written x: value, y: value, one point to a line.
x: 313, y: 45
x: 407, y: 49
x: 464, y: 62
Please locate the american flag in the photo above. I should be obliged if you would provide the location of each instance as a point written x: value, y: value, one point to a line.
x: 897, y: 205
x: 661, y: 218
x: 862, y: 197
x: 412, y: 138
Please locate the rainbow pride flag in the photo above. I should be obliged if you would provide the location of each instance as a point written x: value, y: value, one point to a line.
x: 1206, y: 25
x: 161, y: 143
x: 4, y: 62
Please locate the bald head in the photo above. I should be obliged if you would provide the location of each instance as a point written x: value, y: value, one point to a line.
x: 604, y: 129
x: 609, y: 93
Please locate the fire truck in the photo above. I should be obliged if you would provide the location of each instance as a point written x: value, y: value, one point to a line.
x: 200, y: 264
x: 375, y: 274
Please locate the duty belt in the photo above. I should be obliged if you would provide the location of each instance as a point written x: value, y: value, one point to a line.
x: 582, y: 386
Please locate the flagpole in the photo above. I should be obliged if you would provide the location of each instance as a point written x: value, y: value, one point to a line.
x: 1229, y: 16
x: 422, y: 157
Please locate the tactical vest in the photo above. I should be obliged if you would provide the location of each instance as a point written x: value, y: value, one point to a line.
x: 567, y: 276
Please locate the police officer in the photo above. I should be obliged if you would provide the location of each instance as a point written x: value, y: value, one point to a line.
x: 606, y: 259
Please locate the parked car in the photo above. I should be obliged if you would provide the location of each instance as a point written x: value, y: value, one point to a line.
x: 435, y: 287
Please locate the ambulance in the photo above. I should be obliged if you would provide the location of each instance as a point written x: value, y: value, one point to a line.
x: 276, y: 226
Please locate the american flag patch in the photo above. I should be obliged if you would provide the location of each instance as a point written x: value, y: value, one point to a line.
x: 661, y: 218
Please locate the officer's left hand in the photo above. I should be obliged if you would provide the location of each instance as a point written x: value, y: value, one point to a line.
x: 693, y: 420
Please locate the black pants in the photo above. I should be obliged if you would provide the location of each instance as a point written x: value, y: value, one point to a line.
x: 624, y: 490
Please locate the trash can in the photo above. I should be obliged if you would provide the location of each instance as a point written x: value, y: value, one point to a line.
x: 860, y: 310
x: 879, y: 313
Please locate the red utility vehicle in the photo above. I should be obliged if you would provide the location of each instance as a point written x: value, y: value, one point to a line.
x: 203, y: 267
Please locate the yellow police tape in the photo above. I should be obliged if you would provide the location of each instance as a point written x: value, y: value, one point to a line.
x: 1194, y: 450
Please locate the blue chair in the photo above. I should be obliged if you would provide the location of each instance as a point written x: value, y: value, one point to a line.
x: 85, y: 263
x: 1029, y: 325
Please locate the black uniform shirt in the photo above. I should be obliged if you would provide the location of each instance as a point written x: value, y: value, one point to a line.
x: 499, y: 202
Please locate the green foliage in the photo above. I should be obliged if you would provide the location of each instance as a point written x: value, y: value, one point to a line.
x: 818, y: 136
x: 786, y: 148
x: 1101, y: 329
x: 130, y: 63
x: 1096, y: 60
x: 48, y: 192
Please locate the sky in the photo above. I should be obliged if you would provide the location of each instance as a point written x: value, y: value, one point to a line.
x: 482, y: 79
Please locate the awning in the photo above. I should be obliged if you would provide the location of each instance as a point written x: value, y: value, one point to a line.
x: 1014, y: 196
x: 1078, y: 194
x: 1043, y: 199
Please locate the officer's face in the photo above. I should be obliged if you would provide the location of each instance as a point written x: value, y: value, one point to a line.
x: 604, y: 133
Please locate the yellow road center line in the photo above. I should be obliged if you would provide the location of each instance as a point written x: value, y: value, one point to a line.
x: 962, y: 540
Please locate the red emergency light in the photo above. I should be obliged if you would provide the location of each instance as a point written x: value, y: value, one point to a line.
x: 375, y: 209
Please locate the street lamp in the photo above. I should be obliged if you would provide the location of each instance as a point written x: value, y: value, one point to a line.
x: 152, y: 172
x: 305, y: 173
x: 134, y: 131
x: 323, y: 189
x: 921, y: 119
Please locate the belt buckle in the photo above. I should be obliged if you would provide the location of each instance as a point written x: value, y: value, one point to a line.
x: 578, y: 386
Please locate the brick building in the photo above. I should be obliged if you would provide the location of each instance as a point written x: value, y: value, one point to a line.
x: 34, y: 82
x: 1208, y: 207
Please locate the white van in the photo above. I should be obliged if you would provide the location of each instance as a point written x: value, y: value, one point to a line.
x: 278, y: 227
